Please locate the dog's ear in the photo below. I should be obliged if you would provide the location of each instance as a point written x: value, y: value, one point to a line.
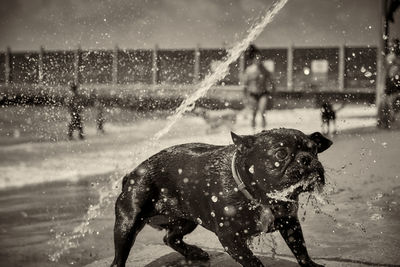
x: 322, y: 142
x: 243, y: 142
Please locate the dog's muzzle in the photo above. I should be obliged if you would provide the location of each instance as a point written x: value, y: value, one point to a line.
x: 311, y: 177
x: 315, y: 180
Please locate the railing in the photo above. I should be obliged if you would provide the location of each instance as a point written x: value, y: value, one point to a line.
x: 295, y: 69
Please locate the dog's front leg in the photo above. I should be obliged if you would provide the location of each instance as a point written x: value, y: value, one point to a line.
x: 290, y: 229
x: 237, y: 248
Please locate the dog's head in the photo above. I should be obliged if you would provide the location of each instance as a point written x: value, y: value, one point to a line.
x: 282, y: 159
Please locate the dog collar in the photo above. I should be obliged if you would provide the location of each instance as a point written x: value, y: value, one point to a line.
x: 239, y: 181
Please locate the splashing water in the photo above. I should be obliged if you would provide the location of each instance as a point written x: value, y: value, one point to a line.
x: 283, y: 195
x: 317, y: 199
x: 264, y: 243
x: 223, y: 68
x: 64, y: 242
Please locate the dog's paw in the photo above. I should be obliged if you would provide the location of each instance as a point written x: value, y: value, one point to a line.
x: 312, y: 264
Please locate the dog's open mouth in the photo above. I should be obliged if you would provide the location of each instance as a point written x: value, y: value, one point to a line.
x: 314, y: 182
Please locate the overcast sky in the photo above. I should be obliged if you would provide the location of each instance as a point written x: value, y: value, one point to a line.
x: 63, y: 24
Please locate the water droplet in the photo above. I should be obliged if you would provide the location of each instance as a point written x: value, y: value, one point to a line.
x: 180, y: 171
x: 214, y: 199
x: 212, y: 214
x: 251, y: 169
x: 276, y: 164
x: 229, y: 210
x: 185, y: 180
x: 141, y: 171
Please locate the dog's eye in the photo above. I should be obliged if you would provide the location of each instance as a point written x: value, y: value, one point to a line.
x: 281, y: 154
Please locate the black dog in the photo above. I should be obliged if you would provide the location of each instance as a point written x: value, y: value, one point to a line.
x: 226, y: 189
x: 328, y: 116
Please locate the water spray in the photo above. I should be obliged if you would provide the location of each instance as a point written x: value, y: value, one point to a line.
x: 65, y: 242
x: 223, y: 68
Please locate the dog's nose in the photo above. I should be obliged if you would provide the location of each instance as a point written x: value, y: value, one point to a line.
x: 304, y: 160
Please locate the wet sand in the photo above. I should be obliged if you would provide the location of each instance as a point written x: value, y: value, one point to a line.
x: 363, y: 230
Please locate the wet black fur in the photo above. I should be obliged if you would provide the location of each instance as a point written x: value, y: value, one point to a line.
x: 186, y: 185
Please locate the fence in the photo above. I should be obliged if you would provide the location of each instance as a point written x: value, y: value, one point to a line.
x: 295, y: 69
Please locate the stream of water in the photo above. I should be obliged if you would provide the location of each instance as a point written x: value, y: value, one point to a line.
x: 223, y: 68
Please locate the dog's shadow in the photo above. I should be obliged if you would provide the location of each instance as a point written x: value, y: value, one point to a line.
x: 217, y: 259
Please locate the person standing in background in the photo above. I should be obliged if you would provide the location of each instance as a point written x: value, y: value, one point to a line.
x: 391, y: 98
x: 75, y: 105
x: 393, y: 69
x: 258, y: 86
x: 99, y: 106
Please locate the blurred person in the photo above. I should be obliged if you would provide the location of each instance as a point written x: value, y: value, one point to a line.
x: 391, y: 98
x: 258, y: 86
x: 75, y: 105
x: 100, y: 119
x: 328, y: 116
x: 393, y: 69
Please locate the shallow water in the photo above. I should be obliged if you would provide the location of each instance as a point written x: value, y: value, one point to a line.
x: 358, y: 221
x: 35, y: 213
